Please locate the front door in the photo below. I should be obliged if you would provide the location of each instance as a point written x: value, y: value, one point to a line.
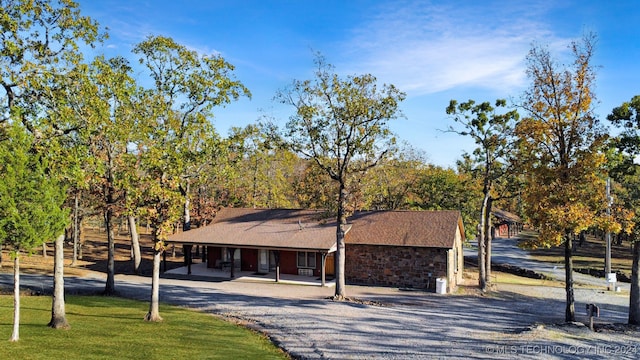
x: 263, y: 261
x: 330, y: 265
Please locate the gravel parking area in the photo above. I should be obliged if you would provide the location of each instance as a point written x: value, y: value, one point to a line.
x: 514, y: 322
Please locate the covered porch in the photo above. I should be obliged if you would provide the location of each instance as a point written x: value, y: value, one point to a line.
x: 199, y: 270
x: 264, y: 242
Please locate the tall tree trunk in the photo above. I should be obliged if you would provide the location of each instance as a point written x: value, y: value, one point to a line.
x: 154, y: 309
x: 81, y: 236
x: 76, y: 231
x: 634, y: 295
x: 482, y: 252
x: 340, y: 251
x: 15, y: 335
x: 110, y: 287
x: 186, y: 225
x: 487, y: 246
x: 570, y: 314
x: 135, y: 243
x: 58, y: 314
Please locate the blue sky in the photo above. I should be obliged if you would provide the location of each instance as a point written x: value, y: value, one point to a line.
x: 432, y: 50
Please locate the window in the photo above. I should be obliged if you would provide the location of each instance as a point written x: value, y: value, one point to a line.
x: 306, y: 259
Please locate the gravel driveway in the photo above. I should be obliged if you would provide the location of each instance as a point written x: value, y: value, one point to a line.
x: 395, y: 324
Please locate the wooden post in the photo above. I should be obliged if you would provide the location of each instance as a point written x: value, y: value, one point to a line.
x: 323, y: 270
x: 187, y: 257
x: 276, y: 256
x: 232, y: 252
x: 593, y: 311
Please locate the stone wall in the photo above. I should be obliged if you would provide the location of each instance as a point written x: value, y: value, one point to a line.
x: 403, y: 267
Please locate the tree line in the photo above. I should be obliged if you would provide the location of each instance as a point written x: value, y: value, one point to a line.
x: 83, y: 136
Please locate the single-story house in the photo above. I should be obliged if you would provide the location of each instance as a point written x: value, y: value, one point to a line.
x: 407, y: 249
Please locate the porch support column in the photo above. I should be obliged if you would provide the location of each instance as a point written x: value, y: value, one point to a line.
x: 276, y: 256
x: 187, y: 257
x: 322, y: 269
x: 232, y: 252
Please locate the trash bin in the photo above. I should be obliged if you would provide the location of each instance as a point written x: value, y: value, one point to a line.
x: 441, y: 286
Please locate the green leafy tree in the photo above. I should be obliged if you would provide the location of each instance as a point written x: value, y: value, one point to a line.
x: 391, y: 185
x: 216, y: 183
x: 63, y: 162
x: 39, y: 39
x: 439, y: 188
x: 264, y: 178
x: 102, y: 99
x: 342, y: 125
x: 314, y: 188
x: 492, y: 132
x: 40, y: 43
x: 627, y: 172
x: 179, y: 107
x: 560, y: 152
x: 31, y: 200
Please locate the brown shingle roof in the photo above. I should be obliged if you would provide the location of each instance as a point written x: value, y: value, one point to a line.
x: 435, y: 229
x: 506, y: 216
x: 262, y: 228
x: 311, y: 230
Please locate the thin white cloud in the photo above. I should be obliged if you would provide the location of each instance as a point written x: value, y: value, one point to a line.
x: 424, y: 48
x: 128, y: 28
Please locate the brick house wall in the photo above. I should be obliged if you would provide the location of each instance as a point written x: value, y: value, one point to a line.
x: 404, y: 267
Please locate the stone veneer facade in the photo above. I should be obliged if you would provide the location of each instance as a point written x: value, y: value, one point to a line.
x: 404, y: 267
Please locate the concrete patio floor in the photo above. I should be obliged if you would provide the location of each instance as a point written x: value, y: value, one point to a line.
x: 200, y: 270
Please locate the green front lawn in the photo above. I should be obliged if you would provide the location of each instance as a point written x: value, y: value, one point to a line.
x: 113, y: 328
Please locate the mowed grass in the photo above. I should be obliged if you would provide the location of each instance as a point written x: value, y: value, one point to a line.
x: 113, y: 328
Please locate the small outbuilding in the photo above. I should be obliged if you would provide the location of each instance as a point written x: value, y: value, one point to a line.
x: 406, y: 249
x: 505, y: 224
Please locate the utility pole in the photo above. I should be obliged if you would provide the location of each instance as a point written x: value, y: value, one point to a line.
x: 611, y: 280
